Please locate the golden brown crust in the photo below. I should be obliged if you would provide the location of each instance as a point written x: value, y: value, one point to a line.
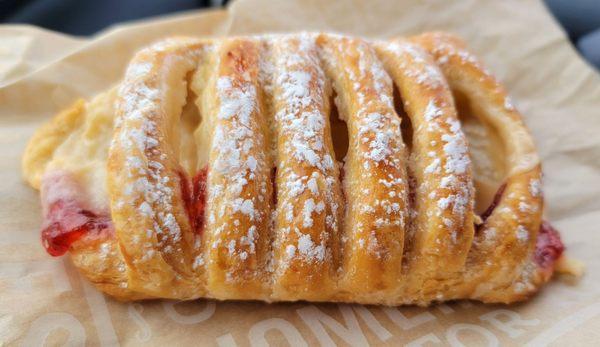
x: 504, y: 247
x: 441, y: 169
x: 375, y: 180
x: 158, y: 245
x: 306, y: 174
x: 239, y: 177
x: 283, y: 220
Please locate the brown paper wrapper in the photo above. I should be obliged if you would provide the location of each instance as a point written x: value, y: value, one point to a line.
x: 43, y: 300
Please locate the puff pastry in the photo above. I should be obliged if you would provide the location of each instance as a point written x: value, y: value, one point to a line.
x: 298, y: 167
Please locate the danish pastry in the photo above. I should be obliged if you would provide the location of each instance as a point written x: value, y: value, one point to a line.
x: 298, y: 167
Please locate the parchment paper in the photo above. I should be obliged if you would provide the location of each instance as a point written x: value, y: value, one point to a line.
x: 44, y: 301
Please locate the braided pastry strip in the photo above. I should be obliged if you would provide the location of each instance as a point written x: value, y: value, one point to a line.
x: 375, y: 181
x: 504, y: 249
x: 252, y: 204
x: 308, y: 217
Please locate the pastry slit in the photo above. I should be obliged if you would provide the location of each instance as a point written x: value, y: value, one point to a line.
x: 202, y: 136
x: 190, y: 121
x: 375, y: 181
x: 487, y: 153
x: 406, y: 126
x: 338, y: 129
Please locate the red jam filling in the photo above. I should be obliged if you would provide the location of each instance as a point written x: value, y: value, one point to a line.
x: 495, y: 202
x: 274, y: 184
x: 195, y: 198
x: 66, y: 223
x: 342, y: 175
x: 548, y: 246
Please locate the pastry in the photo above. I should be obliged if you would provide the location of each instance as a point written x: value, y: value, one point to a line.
x: 311, y: 167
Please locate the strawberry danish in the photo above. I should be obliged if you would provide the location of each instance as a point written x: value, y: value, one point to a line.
x: 311, y: 167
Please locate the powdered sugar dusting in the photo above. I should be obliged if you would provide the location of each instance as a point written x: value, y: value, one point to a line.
x: 508, y: 104
x: 522, y: 234
x: 150, y: 188
x: 417, y: 66
x: 444, y: 51
x: 455, y: 148
x: 535, y: 187
x: 444, y: 160
x: 375, y: 175
x: 307, y: 174
x: 309, y: 250
x: 237, y: 199
x: 305, y: 169
x: 432, y: 111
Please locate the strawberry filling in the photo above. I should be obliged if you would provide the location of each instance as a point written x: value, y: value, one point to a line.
x: 66, y: 221
x: 495, y: 202
x: 194, y: 198
x: 548, y: 246
x: 274, y: 184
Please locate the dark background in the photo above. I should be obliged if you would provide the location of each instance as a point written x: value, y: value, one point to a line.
x: 580, y: 18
